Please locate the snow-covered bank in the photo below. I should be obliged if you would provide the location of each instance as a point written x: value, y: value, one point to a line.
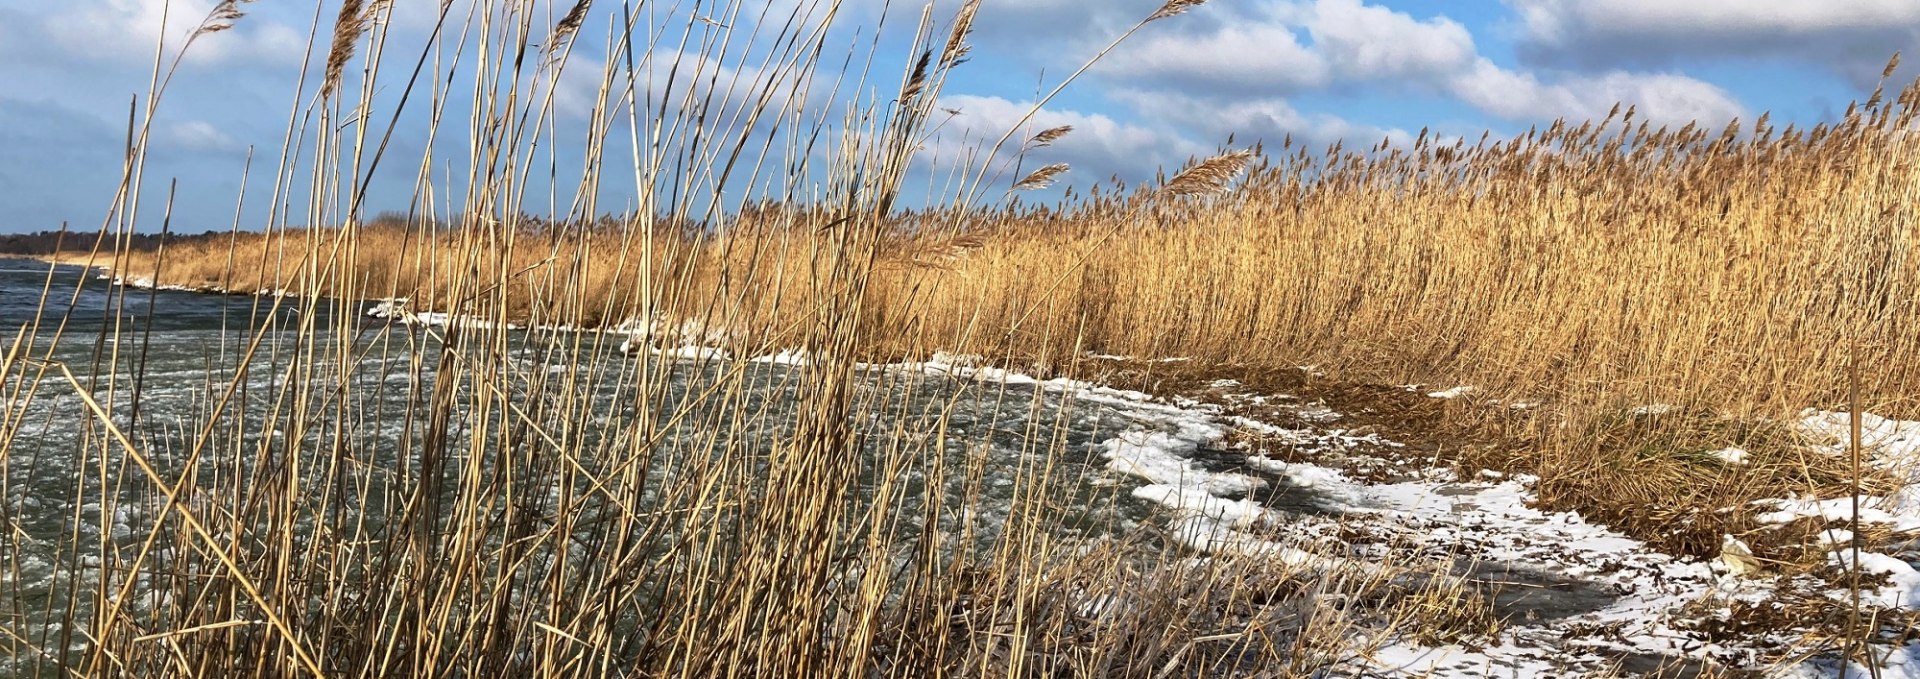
x: 1600, y: 600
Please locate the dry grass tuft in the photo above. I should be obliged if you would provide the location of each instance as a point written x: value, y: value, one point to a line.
x: 1048, y: 136
x: 1212, y: 175
x: 1174, y: 8
x: 1041, y: 178
x: 568, y: 25
x: 955, y: 52
x: 662, y: 518
x: 347, y: 29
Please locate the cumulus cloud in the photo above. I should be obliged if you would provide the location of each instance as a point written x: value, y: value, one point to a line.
x: 1033, y: 27
x: 1249, y: 57
x: 1853, y: 38
x: 1259, y: 120
x: 1237, y: 76
x: 1099, y: 146
x: 1662, y: 98
x: 1372, y: 42
x: 1316, y: 70
x: 196, y: 136
x: 1348, y: 43
x: 127, y: 30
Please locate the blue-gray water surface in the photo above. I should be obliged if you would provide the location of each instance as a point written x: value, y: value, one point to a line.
x: 212, y: 388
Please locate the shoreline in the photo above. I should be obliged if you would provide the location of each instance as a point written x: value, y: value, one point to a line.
x: 1220, y: 449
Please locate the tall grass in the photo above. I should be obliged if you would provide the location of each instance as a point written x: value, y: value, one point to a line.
x: 342, y: 497
x: 1599, y: 262
x: 389, y: 500
x: 1589, y: 268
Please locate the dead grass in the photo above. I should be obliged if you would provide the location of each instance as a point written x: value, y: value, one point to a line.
x: 1590, y: 268
x: 1594, y: 267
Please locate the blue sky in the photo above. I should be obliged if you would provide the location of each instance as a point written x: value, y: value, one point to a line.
x: 1318, y: 70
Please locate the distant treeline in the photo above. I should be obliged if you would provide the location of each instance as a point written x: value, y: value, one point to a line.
x: 51, y: 242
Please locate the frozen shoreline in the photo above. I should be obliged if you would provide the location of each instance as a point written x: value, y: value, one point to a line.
x: 1658, y: 607
x: 1656, y: 600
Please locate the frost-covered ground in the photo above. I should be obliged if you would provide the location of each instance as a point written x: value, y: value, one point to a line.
x: 1579, y: 598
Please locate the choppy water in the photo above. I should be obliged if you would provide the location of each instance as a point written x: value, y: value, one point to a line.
x: 350, y: 406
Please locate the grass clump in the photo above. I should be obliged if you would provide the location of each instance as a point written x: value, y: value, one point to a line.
x: 348, y: 499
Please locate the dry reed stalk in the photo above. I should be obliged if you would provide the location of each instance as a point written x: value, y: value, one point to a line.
x: 1174, y: 8
x: 1048, y: 136
x: 347, y: 29
x: 617, y: 515
x: 1041, y: 178
x: 955, y: 52
x: 1212, y: 175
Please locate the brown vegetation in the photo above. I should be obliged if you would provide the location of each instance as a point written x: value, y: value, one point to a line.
x: 1591, y: 268
x: 1587, y: 269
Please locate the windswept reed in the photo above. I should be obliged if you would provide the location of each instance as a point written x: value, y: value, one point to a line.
x: 344, y: 497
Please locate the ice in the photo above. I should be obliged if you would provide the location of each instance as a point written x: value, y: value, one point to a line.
x: 1236, y: 513
x: 1214, y: 537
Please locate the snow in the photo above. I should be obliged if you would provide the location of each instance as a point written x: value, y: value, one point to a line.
x: 1211, y: 536
x: 1653, y: 611
x: 1455, y: 392
x: 1872, y: 510
x: 395, y: 309
x: 1890, y: 441
x: 1730, y: 455
x: 1895, y: 662
x: 1162, y: 458
x: 1902, y: 590
x: 784, y: 357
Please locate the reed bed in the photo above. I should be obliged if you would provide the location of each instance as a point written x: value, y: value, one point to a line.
x: 1593, y: 267
x: 356, y: 499
x: 1602, y: 263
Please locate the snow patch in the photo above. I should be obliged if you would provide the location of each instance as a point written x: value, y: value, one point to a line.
x: 785, y: 357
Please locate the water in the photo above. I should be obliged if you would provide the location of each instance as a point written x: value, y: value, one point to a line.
x: 256, y: 413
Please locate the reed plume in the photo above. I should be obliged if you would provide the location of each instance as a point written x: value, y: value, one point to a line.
x: 1041, y: 178
x: 1211, y: 175
x: 347, y: 28
x: 1048, y: 136
x: 1174, y: 8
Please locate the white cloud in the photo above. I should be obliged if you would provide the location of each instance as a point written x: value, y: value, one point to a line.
x: 1851, y: 38
x: 196, y: 135
x: 1662, y: 98
x: 1372, y: 42
x: 1351, y: 43
x: 1259, y: 120
x: 1037, y: 26
x: 1556, y: 20
x: 1098, y: 147
x: 127, y: 31
x: 1234, y: 76
x: 1248, y: 57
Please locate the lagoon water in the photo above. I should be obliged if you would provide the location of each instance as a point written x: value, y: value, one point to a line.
x: 349, y: 407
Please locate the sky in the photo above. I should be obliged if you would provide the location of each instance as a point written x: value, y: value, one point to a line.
x: 1318, y: 71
